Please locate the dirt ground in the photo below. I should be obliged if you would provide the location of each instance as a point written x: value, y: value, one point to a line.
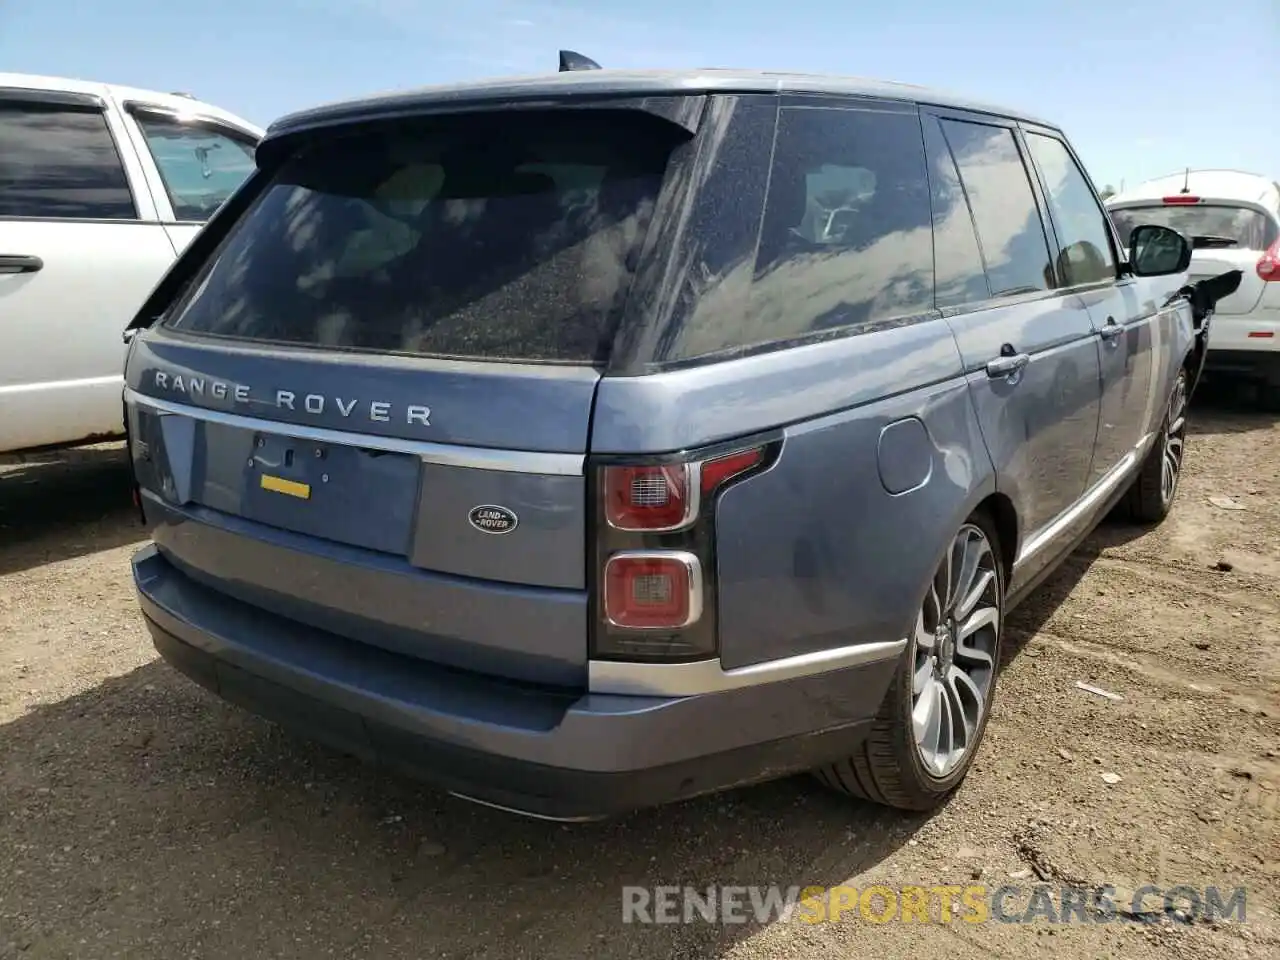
x: 140, y: 817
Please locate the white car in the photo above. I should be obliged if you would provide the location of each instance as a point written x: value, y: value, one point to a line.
x: 1233, y: 220
x: 101, y: 187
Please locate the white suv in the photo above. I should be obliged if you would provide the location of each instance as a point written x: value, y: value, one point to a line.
x: 1233, y: 219
x: 100, y: 188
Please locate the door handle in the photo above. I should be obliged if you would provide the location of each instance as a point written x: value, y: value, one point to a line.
x: 1007, y: 365
x: 1111, y: 330
x: 16, y: 263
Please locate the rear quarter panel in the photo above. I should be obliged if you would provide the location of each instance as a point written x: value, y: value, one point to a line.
x: 836, y: 542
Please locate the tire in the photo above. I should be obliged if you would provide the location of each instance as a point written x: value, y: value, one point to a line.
x: 894, y: 766
x: 1153, y: 491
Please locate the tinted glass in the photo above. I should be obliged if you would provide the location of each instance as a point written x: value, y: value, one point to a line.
x: 1004, y: 207
x: 1083, y: 239
x: 847, y: 238
x: 1249, y: 228
x: 481, y: 237
x: 200, y: 166
x: 60, y: 164
x: 959, y: 274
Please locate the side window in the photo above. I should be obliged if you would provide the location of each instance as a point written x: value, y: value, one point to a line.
x: 847, y: 238
x: 1086, y: 255
x: 58, y: 163
x: 959, y: 276
x: 1004, y: 207
x: 200, y: 166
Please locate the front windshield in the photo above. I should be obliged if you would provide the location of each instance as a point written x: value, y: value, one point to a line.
x: 1249, y: 228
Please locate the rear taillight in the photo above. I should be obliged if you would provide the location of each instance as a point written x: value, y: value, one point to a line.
x: 652, y: 498
x: 1179, y: 198
x: 666, y: 497
x: 655, y: 554
x: 652, y: 590
x: 1269, y: 264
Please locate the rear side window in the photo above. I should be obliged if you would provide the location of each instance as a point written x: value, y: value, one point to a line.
x: 58, y: 163
x: 200, y: 166
x: 959, y: 274
x: 847, y: 238
x: 1083, y: 239
x: 1004, y: 207
x: 1249, y: 228
x: 489, y: 237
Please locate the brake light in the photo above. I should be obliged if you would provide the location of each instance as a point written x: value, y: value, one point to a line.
x: 653, y: 590
x: 1269, y: 265
x: 665, y: 497
x: 1180, y: 198
x: 650, y: 498
x: 654, y: 554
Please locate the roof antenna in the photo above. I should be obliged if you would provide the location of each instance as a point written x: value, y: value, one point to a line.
x: 571, y: 60
x: 1186, y: 181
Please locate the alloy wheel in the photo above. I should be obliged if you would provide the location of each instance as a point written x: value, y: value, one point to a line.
x: 954, y: 653
x: 1175, y: 432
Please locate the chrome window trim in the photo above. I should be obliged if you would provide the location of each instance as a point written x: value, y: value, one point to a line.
x: 709, y: 676
x: 443, y: 454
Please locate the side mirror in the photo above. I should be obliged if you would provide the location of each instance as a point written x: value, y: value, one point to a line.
x: 1156, y: 251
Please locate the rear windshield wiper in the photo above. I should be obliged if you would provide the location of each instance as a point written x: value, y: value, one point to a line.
x: 1200, y: 243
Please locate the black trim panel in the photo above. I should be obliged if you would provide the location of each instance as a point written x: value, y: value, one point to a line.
x: 86, y: 102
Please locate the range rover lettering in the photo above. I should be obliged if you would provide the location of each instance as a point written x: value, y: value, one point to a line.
x: 781, y: 392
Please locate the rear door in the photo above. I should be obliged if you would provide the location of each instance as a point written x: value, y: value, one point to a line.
x: 79, y: 252
x: 1028, y: 347
x: 1127, y: 319
x: 387, y: 370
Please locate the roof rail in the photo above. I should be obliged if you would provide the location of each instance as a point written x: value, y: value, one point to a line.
x: 181, y: 93
x: 571, y: 60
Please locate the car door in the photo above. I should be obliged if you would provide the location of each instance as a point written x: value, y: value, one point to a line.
x: 79, y: 251
x: 1028, y: 346
x: 196, y: 163
x: 1087, y: 263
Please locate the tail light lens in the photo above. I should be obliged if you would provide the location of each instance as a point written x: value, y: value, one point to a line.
x: 1180, y: 198
x: 666, y: 497
x: 1269, y: 265
x: 654, y: 592
x: 652, y: 498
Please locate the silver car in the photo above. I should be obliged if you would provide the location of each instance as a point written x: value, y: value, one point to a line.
x: 594, y: 441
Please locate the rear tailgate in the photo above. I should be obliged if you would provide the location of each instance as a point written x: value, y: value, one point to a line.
x: 370, y: 408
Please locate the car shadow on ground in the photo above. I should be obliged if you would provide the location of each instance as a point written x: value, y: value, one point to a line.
x: 1220, y: 407
x: 64, y: 505
x: 146, y: 805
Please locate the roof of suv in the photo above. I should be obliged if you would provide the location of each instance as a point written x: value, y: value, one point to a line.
x: 594, y: 83
x: 121, y: 94
x: 1235, y: 185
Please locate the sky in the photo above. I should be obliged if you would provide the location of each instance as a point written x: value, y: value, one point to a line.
x: 1142, y: 87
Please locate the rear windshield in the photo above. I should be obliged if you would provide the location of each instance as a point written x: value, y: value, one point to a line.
x: 1250, y: 229
x: 509, y: 237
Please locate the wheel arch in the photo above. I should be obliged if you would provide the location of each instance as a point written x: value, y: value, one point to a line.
x: 999, y: 508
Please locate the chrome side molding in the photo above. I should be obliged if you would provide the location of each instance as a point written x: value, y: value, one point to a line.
x: 708, y: 676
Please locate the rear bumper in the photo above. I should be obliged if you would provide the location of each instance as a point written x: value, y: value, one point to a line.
x: 547, y: 752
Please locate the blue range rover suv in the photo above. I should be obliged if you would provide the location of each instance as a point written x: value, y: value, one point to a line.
x: 591, y: 441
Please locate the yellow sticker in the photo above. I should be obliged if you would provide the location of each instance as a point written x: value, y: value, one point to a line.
x: 290, y: 487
